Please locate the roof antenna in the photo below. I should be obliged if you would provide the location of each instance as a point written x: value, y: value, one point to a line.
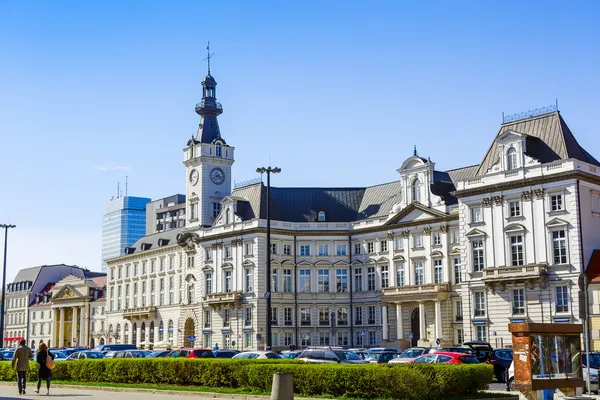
x: 415, y: 151
x: 126, y: 185
x: 557, y: 104
x: 118, y: 190
x: 209, y: 56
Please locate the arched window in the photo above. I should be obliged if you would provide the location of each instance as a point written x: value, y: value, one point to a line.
x: 170, y: 329
x: 143, y: 332
x: 118, y: 333
x: 321, y: 216
x: 161, y: 331
x: 511, y: 159
x: 152, y: 332
x: 416, y: 190
x: 218, y: 150
x: 126, y: 334
x: 133, y: 333
x: 33, y: 344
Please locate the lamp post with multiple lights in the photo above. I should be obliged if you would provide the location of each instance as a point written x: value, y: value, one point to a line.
x: 268, y: 171
x: 2, y: 314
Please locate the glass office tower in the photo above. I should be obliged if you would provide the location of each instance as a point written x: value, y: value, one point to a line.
x: 123, y: 224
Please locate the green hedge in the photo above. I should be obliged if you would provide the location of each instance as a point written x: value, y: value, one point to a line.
x: 412, y: 382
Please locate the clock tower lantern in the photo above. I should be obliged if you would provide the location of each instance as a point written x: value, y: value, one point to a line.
x: 208, y: 161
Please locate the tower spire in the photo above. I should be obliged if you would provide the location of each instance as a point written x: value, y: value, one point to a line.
x: 209, y: 108
x: 209, y: 56
x: 415, y: 151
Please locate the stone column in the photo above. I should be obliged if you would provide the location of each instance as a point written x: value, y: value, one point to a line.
x: 438, y: 320
x: 74, y: 321
x: 83, y: 326
x: 384, y: 322
x: 422, y: 326
x: 61, y: 329
x: 399, y: 322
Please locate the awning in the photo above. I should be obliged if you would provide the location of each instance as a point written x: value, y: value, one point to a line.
x: 10, y: 339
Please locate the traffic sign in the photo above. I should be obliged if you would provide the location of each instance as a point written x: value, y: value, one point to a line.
x: 411, y: 336
x: 74, y: 340
x: 192, y: 338
x: 363, y: 332
x: 437, y: 341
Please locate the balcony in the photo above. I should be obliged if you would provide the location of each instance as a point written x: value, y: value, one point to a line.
x: 209, y: 104
x: 501, y: 276
x: 141, y: 313
x: 223, y: 299
x: 437, y: 291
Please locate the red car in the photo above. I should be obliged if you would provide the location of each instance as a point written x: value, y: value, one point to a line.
x: 191, y: 353
x: 446, y: 358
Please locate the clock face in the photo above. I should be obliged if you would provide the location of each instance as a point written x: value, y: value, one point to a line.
x: 194, y: 176
x: 217, y: 176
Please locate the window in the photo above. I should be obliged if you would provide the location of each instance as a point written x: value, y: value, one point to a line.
x: 562, y: 299
x: 457, y: 270
x: 323, y: 280
x: 479, y: 309
x: 304, y: 250
x: 455, y: 236
x: 458, y: 314
x: 218, y: 150
x: 247, y: 317
x: 323, y: 338
x: 227, y: 251
x: 399, y: 243
x: 287, y: 249
x: 460, y: 336
x: 556, y: 202
x: 518, y: 302
x: 287, y: 280
x: 208, y: 287
x: 372, y: 339
x: 248, y: 250
x: 357, y: 249
x: 419, y: 279
x: 305, y: 316
x: 340, y: 250
x: 371, y: 315
x: 274, y: 319
x: 516, y: 250
x: 342, y: 339
x: 358, y: 281
x: 275, y: 281
x: 323, y: 250
x: 321, y: 216
x: 216, y: 209
x: 437, y: 271
x: 228, y: 282
x: 342, y: 316
x: 383, y: 247
x: 207, y: 342
x: 152, y: 266
x: 274, y: 248
x: 341, y: 280
x: 437, y: 239
x: 287, y: 316
x: 481, y: 332
x: 305, y: 341
x: 161, y: 331
x: 511, y: 159
x: 596, y: 202
x: 514, y: 208
x: 248, y: 280
x: 207, y: 317
x: 371, y: 278
x: 304, y: 281
x: 416, y: 190
x: 208, y: 254
x: 476, y: 214
x: 400, y: 274
x: 385, y: 276
x: 358, y: 320
x: 418, y: 241
x: 324, y: 316
x: 194, y: 211
x: 478, y: 262
x: 226, y: 317
x: 559, y: 247
x: 370, y: 247
x: 287, y: 339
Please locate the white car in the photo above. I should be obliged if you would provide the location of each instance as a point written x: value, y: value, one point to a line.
x: 593, y: 378
x: 258, y: 354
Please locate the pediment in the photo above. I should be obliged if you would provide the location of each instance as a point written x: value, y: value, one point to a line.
x: 248, y: 264
x: 399, y: 257
x: 475, y: 232
x: 514, y: 228
x: 340, y: 264
x: 357, y: 263
x: 288, y: 263
x: 323, y: 263
x: 207, y: 268
x: 415, y: 212
x: 275, y: 262
x: 190, y: 278
x: 509, y: 136
x: 437, y: 254
x: 67, y: 292
x: 369, y: 261
x: 71, y: 280
x: 304, y: 263
x: 556, y: 223
x: 455, y: 251
x: 382, y: 260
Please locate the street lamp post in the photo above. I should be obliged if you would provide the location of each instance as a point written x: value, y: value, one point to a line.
x: 268, y: 171
x: 2, y: 313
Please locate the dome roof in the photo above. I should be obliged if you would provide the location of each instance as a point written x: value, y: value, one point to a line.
x: 209, y: 79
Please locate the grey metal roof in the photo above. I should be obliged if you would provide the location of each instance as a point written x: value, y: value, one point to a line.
x: 378, y: 200
x: 549, y: 139
x: 28, y: 274
x: 461, y: 174
x: 152, y: 240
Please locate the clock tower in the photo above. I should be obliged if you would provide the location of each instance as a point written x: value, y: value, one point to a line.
x: 208, y: 161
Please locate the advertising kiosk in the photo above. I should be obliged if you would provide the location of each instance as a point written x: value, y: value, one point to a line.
x: 547, y: 356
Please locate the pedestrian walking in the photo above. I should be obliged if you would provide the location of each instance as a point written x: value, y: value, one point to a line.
x: 45, y: 359
x: 20, y: 360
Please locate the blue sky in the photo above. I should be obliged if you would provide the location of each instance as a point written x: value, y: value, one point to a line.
x: 336, y: 93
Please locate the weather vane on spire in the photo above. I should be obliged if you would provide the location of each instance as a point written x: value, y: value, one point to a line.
x: 209, y: 56
x: 415, y: 151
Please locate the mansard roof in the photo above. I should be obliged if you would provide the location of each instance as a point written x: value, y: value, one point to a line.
x: 152, y: 241
x: 548, y: 138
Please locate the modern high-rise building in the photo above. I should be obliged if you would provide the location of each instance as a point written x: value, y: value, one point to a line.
x: 165, y: 214
x: 123, y: 224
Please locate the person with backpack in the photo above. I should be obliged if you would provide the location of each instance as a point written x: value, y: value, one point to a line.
x: 46, y: 361
x: 20, y: 362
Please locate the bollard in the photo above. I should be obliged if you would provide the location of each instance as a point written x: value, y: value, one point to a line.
x: 283, y: 386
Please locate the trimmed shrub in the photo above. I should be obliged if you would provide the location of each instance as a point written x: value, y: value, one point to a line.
x: 407, y: 381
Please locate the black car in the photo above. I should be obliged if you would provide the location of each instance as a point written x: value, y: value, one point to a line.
x: 481, y: 350
x: 594, y: 360
x: 501, y: 359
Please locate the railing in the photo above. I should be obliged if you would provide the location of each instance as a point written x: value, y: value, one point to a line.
x: 416, y: 289
x: 514, y: 272
x: 209, y: 104
x: 221, y: 297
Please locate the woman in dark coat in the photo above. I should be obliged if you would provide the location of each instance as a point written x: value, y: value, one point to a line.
x: 44, y: 372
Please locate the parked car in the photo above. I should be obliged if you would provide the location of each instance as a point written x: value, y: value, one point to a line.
x: 291, y: 354
x: 82, y: 355
x: 380, y: 349
x: 225, y: 353
x: 593, y: 378
x: 482, y: 350
x: 501, y: 360
x: 382, y: 357
x: 594, y: 360
x: 258, y: 354
x: 70, y: 350
x: 191, y: 353
x: 408, y: 355
x: 114, y: 347
x: 59, y: 355
x: 446, y: 358
x: 159, y: 353
x: 131, y: 354
x: 464, y: 350
x: 7, y: 354
x: 322, y: 355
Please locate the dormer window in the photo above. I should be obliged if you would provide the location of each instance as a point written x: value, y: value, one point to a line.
x: 321, y: 216
x: 227, y: 217
x: 511, y: 159
x: 416, y: 190
x: 218, y: 150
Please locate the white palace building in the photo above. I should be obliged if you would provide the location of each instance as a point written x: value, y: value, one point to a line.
x: 450, y: 255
